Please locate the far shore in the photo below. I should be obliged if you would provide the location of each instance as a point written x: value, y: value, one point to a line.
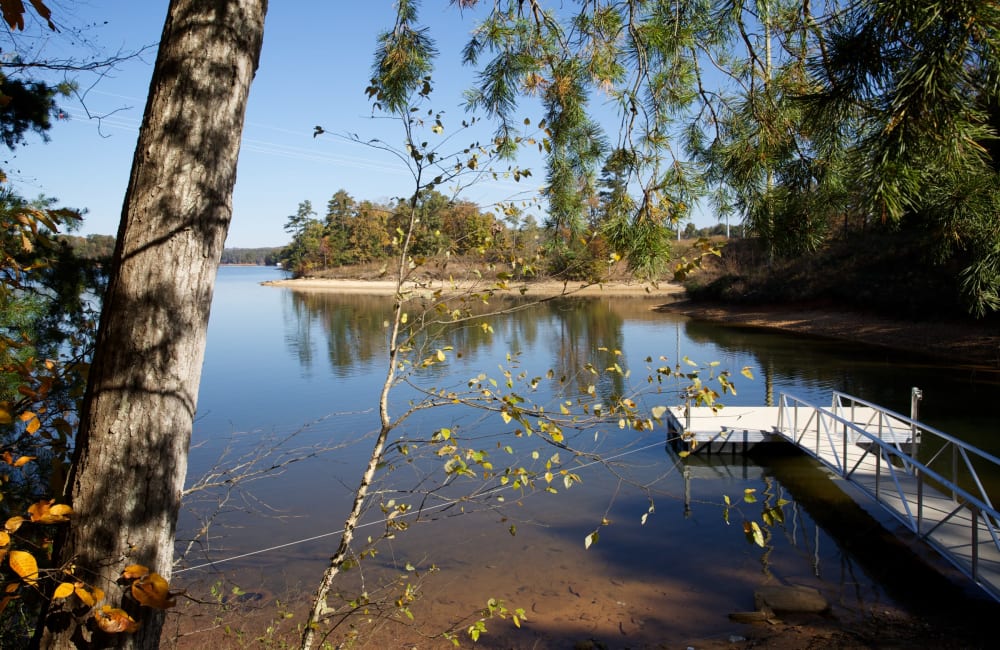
x: 961, y: 342
x: 666, y: 291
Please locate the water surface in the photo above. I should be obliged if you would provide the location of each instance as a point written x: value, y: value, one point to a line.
x: 306, y: 368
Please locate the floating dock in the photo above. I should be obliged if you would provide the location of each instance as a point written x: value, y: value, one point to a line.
x: 926, y: 479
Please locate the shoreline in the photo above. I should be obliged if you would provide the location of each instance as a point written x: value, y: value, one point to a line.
x: 976, y: 344
x: 964, y: 343
x: 543, y: 289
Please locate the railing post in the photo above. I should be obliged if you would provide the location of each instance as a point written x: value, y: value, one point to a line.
x: 878, y: 473
x: 843, y: 459
x: 818, y: 432
x: 920, y: 502
x: 915, y: 396
x: 974, y: 511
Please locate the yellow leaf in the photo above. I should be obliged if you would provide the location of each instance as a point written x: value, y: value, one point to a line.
x: 747, y: 372
x: 153, y: 591
x: 134, y: 571
x: 26, y: 415
x: 506, y: 417
x: 33, y: 426
x: 4, y: 539
x: 60, y: 510
x: 658, y: 411
x: 5, y: 417
x: 115, y: 621
x: 63, y: 590
x: 24, y: 565
x: 23, y: 460
x: 13, y: 524
x: 88, y: 597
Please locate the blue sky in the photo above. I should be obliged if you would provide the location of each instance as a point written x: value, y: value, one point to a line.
x: 314, y: 69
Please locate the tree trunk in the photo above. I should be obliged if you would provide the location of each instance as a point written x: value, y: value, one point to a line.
x: 131, y: 450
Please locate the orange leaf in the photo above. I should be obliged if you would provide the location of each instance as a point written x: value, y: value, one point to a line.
x: 23, y: 460
x: 115, y: 621
x: 153, y: 591
x: 4, y: 539
x: 33, y: 426
x: 7, y: 457
x: 63, y: 590
x: 13, y: 524
x: 134, y: 571
x: 26, y: 415
x: 44, y: 512
x: 24, y: 565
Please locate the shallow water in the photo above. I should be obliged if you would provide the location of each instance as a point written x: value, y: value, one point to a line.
x: 306, y: 368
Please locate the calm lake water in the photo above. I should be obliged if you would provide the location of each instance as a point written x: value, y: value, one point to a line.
x: 300, y: 370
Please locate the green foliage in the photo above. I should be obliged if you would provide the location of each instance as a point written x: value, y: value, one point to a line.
x: 27, y: 106
x: 94, y: 248
x: 266, y: 256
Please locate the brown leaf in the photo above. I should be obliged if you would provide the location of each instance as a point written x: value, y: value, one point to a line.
x: 153, y: 591
x: 44, y: 12
x: 115, y: 621
x: 13, y: 13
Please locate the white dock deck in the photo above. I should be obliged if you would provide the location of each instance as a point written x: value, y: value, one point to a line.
x: 732, y: 429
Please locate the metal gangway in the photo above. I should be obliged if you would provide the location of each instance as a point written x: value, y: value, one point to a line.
x: 926, y: 479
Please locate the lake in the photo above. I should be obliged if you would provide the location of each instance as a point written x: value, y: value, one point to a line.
x: 299, y: 373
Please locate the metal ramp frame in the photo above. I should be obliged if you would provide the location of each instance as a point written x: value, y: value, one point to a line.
x: 925, y: 478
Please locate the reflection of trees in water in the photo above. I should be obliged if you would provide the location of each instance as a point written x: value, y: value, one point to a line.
x: 352, y: 325
x: 583, y: 326
x: 353, y: 328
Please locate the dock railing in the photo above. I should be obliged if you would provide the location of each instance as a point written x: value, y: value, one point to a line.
x: 912, y: 462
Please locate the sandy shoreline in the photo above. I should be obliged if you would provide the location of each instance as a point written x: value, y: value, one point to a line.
x: 667, y: 290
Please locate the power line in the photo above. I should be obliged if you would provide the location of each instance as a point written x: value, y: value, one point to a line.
x: 406, y: 515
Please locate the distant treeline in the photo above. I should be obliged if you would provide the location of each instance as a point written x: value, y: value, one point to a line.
x: 91, y: 247
x: 259, y: 256
x: 101, y: 247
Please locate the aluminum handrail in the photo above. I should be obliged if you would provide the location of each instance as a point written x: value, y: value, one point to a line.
x: 916, y: 426
x: 894, y: 450
x: 980, y: 507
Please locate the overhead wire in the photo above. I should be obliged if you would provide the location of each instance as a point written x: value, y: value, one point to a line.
x: 312, y: 538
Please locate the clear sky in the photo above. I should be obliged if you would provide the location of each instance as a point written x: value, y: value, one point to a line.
x: 314, y: 69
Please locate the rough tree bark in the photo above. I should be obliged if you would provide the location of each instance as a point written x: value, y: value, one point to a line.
x: 132, y: 446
